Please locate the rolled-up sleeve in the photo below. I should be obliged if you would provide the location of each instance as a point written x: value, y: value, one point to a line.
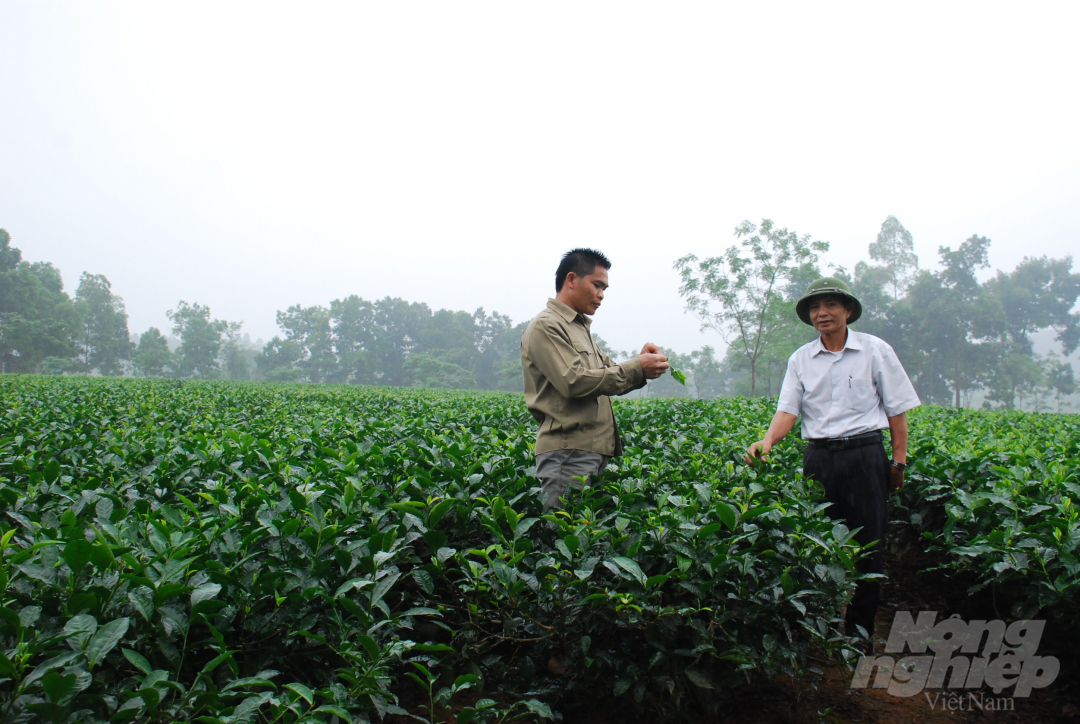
x: 791, y: 391
x: 897, y: 393
x: 555, y: 357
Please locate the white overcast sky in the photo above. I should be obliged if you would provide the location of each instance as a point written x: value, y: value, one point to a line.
x: 251, y: 156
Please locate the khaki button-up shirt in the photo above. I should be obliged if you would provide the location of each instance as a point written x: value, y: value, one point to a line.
x: 568, y: 381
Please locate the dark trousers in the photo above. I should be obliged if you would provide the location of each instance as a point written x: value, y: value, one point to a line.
x: 856, y: 482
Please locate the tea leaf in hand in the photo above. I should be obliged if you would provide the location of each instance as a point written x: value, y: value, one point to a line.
x: 679, y: 376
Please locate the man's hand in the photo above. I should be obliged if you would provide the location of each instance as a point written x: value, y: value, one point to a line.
x: 757, y: 451
x: 650, y: 348
x: 653, y: 364
x: 896, y: 478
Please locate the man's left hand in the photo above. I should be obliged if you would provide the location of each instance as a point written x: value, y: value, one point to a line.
x: 896, y: 478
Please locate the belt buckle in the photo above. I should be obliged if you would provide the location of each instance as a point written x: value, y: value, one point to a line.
x: 835, y: 444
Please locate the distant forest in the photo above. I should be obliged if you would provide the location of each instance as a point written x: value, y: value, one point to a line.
x: 961, y: 340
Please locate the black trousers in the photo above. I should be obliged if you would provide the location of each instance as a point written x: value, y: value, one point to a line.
x: 856, y: 483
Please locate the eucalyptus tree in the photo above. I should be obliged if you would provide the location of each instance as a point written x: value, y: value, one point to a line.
x: 234, y: 358
x: 895, y: 249
x: 740, y: 294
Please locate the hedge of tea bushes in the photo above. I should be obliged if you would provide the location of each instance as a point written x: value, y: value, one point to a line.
x: 998, y: 492
x: 222, y: 552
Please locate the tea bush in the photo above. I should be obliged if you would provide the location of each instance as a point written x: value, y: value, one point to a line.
x: 238, y: 552
x: 998, y: 492
x: 222, y: 552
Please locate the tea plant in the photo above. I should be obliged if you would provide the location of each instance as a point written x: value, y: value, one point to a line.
x: 999, y: 491
x: 242, y: 552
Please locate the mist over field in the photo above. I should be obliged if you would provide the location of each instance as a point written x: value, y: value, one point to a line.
x: 265, y: 271
x: 258, y: 164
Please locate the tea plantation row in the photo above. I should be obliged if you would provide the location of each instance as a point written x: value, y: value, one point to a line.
x: 237, y: 552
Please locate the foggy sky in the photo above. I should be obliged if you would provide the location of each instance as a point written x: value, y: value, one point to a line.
x: 250, y: 156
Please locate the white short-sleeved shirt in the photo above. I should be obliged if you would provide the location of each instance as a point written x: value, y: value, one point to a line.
x: 845, y: 393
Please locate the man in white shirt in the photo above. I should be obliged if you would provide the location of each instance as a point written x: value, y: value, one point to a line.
x: 848, y: 387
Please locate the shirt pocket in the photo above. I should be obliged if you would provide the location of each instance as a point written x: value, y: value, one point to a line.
x: 585, y: 352
x: 863, y: 396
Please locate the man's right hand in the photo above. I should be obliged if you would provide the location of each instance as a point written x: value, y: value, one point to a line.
x: 757, y: 451
x: 653, y: 365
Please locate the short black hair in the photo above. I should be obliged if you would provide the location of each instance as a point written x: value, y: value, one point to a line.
x: 582, y: 262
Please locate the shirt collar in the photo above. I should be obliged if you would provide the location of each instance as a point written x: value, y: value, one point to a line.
x: 567, y: 313
x: 852, y: 342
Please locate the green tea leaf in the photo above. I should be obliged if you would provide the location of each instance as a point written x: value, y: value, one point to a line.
x: 106, y: 639
x: 137, y: 660
x: 52, y: 474
x: 631, y: 567
x: 77, y: 554
x: 302, y: 690
x: 58, y: 687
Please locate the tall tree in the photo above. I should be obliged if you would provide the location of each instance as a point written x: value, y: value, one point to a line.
x: 1013, y: 373
x: 200, y: 340
x: 1061, y: 379
x: 309, y: 329
x: 740, y: 294
x: 895, y: 249
x: 152, y: 358
x: 952, y: 322
x: 434, y: 369
x: 102, y: 341
x: 234, y: 358
x: 1038, y: 294
x: 278, y: 361
x: 36, y: 315
x: 497, y: 358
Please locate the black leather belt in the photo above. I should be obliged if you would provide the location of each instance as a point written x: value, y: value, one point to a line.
x: 846, y: 443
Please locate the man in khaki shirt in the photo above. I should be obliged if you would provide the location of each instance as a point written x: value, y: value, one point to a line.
x: 568, y: 380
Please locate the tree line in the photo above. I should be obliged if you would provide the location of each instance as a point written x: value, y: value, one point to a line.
x: 960, y: 339
x: 352, y: 341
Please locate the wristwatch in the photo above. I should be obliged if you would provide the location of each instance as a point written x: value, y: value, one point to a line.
x: 898, y: 465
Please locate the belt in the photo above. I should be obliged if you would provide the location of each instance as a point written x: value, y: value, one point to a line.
x: 846, y: 443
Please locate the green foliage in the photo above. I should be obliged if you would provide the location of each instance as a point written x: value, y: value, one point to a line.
x: 211, y: 550
x: 998, y: 491
x: 36, y: 315
x: 956, y: 335
x: 429, y: 369
x: 895, y: 249
x: 102, y: 340
x: 202, y: 342
x: 234, y: 358
x: 741, y: 294
x: 394, y: 342
x: 152, y: 358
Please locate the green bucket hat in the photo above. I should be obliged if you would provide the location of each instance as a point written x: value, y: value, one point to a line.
x: 823, y: 286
